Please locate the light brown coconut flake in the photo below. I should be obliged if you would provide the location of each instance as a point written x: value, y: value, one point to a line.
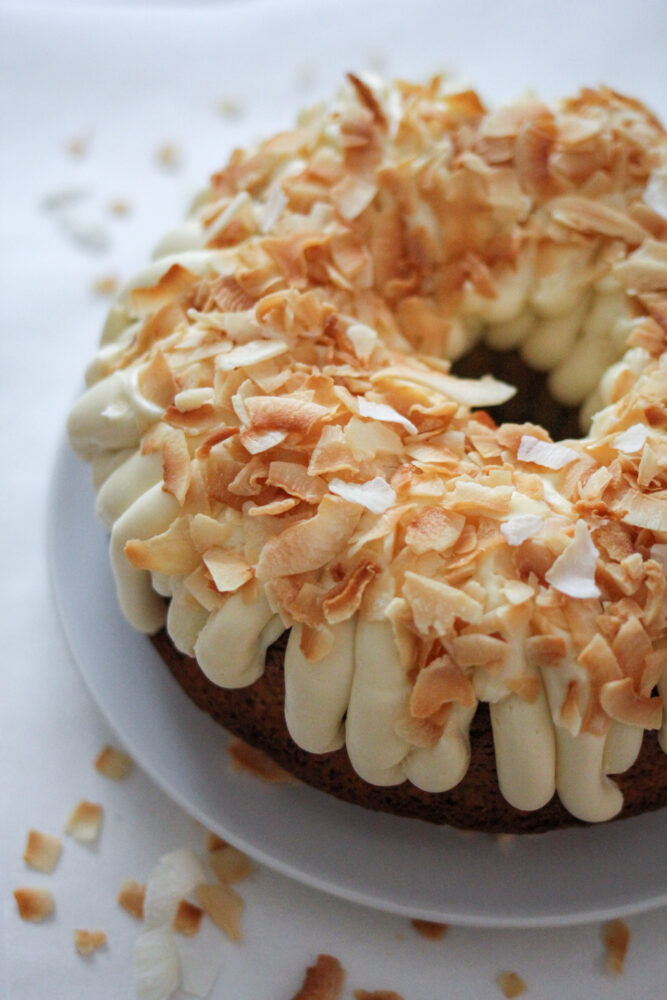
x: 376, y: 995
x: 86, y: 942
x: 622, y: 703
x: 616, y: 938
x: 295, y: 479
x: 486, y: 391
x: 322, y: 981
x: 344, y: 598
x: 187, y: 918
x: 382, y: 411
x: 85, y: 822
x: 646, y: 510
x: 229, y: 570
x: 438, y: 684
x: 255, y: 762
x: 573, y: 572
x: 545, y: 453
x: 310, y: 544
x: 42, y: 851
x: 113, y: 763
x: 131, y: 897
x: 34, y: 905
x: 171, y: 552
x: 645, y: 270
x: 223, y: 906
x: 594, y: 217
x: 255, y: 352
x: 229, y: 864
x: 431, y: 929
x: 434, y: 530
x: 511, y: 984
x: 435, y: 604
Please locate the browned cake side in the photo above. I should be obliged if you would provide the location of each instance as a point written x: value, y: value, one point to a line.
x: 256, y: 715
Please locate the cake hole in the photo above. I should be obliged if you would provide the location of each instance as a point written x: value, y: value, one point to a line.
x: 533, y: 403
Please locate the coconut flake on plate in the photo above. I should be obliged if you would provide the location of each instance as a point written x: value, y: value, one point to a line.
x: 545, y: 453
x: 521, y: 527
x: 156, y: 964
x: 224, y: 906
x: 573, y: 572
x: 113, y: 763
x: 382, y: 411
x: 376, y: 495
x: 42, y: 851
x: 251, y: 353
x: 85, y: 822
x: 86, y: 942
x: 631, y: 440
x: 175, y: 875
x: 34, y: 905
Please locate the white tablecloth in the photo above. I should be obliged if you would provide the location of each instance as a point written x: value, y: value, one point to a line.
x: 120, y: 84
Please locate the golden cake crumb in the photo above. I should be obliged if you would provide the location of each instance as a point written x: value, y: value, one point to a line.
x: 86, y: 942
x: 224, y: 907
x: 34, y: 905
x: 85, y: 822
x: 188, y: 918
x: 511, y: 984
x: 322, y: 981
x: 616, y: 938
x: 113, y: 763
x: 42, y: 851
x: 430, y: 929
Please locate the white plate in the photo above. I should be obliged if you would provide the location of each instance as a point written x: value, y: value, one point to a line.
x: 404, y: 866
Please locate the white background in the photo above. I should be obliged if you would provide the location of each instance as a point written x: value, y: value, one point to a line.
x: 127, y: 79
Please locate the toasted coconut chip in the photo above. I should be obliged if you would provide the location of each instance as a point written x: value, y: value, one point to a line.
x: 589, y: 216
x: 545, y: 453
x: 517, y: 592
x: 207, y: 533
x: 438, y: 684
x: 344, y: 599
x: 430, y: 929
x: 322, y: 981
x: 229, y: 570
x: 546, y: 650
x: 86, y: 942
x: 223, y: 906
x: 171, y: 552
x: 229, y: 864
x: 283, y: 413
x: 573, y: 572
x: 252, y: 353
x: 34, y: 905
x: 376, y: 495
x: 113, y: 763
x: 520, y: 527
x: 85, y: 822
x: 435, y: 605
x: 352, y: 195
x: 193, y: 399
x: 257, y: 763
x: 187, y: 918
x: 476, y: 498
x: 274, y: 508
x: 156, y: 964
x: 646, y: 510
x: 621, y: 702
x: 381, y: 411
x: 131, y: 897
x: 174, y: 877
x: 475, y: 650
x: 511, y: 984
x: 631, y: 440
x: 486, y: 391
x: 257, y: 442
x: 309, y: 544
x: 157, y: 382
x: 364, y: 340
x: 296, y: 480
x: 176, y: 470
x: 377, y: 995
x: 332, y: 453
x: 645, y: 270
x: 616, y: 938
x: 434, y: 530
x: 42, y: 851
x: 173, y: 283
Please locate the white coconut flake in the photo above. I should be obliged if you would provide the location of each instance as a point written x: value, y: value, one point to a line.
x: 631, y: 440
x: 364, y: 339
x: 520, y: 527
x: 175, y: 875
x: 201, y: 963
x: 655, y: 193
x: 156, y: 965
x: 382, y: 411
x: 376, y: 495
x: 573, y: 573
x: 659, y: 553
x: 252, y: 353
x: 545, y: 453
x: 272, y: 208
x: 228, y: 214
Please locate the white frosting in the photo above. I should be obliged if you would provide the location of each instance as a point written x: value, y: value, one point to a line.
x: 525, y: 749
x: 232, y: 645
x: 111, y: 415
x: 440, y: 767
x: 583, y: 787
x: 126, y: 484
x: 622, y: 747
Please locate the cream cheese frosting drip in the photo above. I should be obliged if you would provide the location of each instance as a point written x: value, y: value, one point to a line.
x: 279, y: 442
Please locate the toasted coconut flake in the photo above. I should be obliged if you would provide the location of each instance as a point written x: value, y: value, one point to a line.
x: 229, y: 864
x: 546, y: 650
x: 545, y: 453
x: 381, y: 411
x: 621, y: 702
x: 171, y: 552
x: 520, y: 527
x: 86, y: 942
x: 274, y: 508
x: 645, y: 270
x: 42, y: 851
x: 431, y: 929
x: 229, y: 570
x: 377, y: 995
x: 631, y: 440
x: 113, y: 763
x: 573, y: 572
x: 252, y: 353
x: 344, y: 599
x: 255, y: 762
x: 589, y: 216
x: 283, y: 413
x: 322, y: 981
x: 438, y: 684
x: 174, y: 877
x: 131, y: 897
x: 376, y: 495
x: 517, y: 592
x: 296, y: 480
x: 224, y: 906
x: 511, y: 984
x: 659, y: 553
x: 85, y: 822
x: 156, y: 964
x: 616, y: 938
x: 187, y: 918
x: 486, y: 391
x: 435, y: 605
x: 309, y: 544
x: 475, y: 650
x: 646, y: 510
x: 34, y: 905
x: 364, y: 340
x: 257, y: 442
x: 434, y: 530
